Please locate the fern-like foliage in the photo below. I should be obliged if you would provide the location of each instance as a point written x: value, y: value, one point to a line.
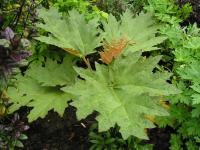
x: 175, y: 142
x: 191, y: 72
x: 168, y: 11
x: 41, y: 90
x: 123, y: 93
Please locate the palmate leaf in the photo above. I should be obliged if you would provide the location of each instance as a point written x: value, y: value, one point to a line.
x: 52, y: 73
x: 79, y: 37
x: 42, y: 99
x: 123, y: 93
x: 72, y: 33
x: 140, y: 31
x: 41, y: 95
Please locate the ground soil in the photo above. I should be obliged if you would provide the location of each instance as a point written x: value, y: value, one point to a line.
x: 57, y: 133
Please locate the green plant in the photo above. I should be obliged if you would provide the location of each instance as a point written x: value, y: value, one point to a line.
x: 111, y: 140
x: 184, y: 46
x: 117, y: 7
x: 37, y: 89
x: 167, y: 11
x: 84, y: 41
x: 18, y: 15
x: 127, y: 86
x: 11, y: 55
x: 104, y: 141
x: 83, y: 6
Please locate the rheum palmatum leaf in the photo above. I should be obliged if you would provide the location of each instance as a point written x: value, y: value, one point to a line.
x: 123, y: 93
x: 42, y: 99
x: 52, y: 73
x: 40, y: 94
x: 140, y: 31
x: 72, y: 33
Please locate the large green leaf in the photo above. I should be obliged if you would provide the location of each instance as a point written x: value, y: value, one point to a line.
x: 41, y: 90
x: 140, y: 31
x: 42, y: 99
x: 73, y: 32
x: 123, y: 93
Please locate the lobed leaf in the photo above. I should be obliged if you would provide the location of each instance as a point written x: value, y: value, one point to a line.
x: 41, y: 90
x: 72, y: 33
x: 123, y: 93
x: 139, y: 30
x: 41, y: 99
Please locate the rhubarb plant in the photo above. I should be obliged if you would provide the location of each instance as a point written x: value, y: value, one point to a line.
x: 80, y: 36
x: 123, y: 93
x: 125, y: 88
x: 74, y: 34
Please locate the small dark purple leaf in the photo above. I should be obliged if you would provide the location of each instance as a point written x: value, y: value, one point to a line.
x: 8, y: 33
x: 17, y: 134
x: 20, y: 55
x: 15, y: 118
x: 25, y: 127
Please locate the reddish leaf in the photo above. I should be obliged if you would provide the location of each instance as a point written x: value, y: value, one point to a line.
x: 113, y: 50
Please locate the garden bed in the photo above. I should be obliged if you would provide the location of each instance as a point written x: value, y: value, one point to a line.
x: 65, y: 109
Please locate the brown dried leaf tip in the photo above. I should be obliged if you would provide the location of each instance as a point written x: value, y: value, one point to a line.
x: 72, y: 51
x: 112, y: 50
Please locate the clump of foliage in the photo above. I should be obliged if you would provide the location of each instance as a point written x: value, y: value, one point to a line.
x: 83, y: 6
x: 117, y: 7
x: 14, y: 15
x: 18, y: 15
x: 125, y: 88
x: 194, y: 15
x: 183, y: 44
x: 111, y: 140
x: 12, y: 55
x: 11, y: 133
x: 167, y: 11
